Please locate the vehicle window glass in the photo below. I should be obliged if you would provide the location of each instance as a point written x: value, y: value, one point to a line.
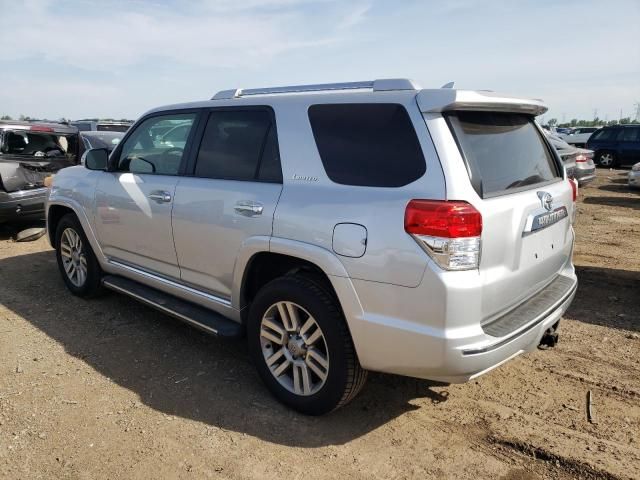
x: 270, y: 170
x: 234, y: 143
x: 505, y: 150
x: 606, y: 134
x: 108, y: 127
x: 367, y: 144
x: 147, y: 151
x: 630, y: 134
x: 44, y: 145
x: 82, y: 127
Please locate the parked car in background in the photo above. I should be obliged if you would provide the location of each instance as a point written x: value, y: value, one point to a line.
x: 563, y: 131
x: 100, y: 126
x: 579, y: 136
x: 29, y: 152
x: 617, y: 145
x: 96, y: 139
x: 634, y: 176
x: 577, y: 161
x: 293, y: 214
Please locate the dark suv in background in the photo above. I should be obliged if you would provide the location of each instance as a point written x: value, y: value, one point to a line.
x: 618, y: 145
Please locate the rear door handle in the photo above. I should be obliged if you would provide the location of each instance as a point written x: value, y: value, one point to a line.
x: 160, y: 196
x: 248, y: 208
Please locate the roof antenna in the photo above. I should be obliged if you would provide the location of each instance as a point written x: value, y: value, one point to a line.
x: 448, y: 85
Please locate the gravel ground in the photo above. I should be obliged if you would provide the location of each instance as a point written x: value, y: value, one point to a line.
x: 111, y: 389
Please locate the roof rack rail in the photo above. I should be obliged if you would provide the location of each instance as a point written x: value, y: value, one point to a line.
x: 380, y: 85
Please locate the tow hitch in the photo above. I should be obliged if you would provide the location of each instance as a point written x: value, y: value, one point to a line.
x: 550, y: 338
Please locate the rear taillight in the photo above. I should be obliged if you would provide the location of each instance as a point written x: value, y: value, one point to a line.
x: 40, y: 128
x: 583, y: 157
x: 449, y: 231
x: 574, y: 188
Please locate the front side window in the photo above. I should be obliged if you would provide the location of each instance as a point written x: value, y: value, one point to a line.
x: 239, y: 145
x: 371, y: 145
x: 148, y: 151
x: 504, y: 151
x: 606, y: 134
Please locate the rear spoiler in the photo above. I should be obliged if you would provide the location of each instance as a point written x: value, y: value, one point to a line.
x: 446, y: 99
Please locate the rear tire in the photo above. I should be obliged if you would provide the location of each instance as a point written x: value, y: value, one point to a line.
x: 77, y: 263
x: 606, y: 159
x: 301, y: 346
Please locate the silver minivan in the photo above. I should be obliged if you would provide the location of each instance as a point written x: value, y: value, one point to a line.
x: 342, y: 228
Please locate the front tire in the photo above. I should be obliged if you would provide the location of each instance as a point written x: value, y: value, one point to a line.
x: 77, y: 263
x: 301, y: 346
x: 606, y: 159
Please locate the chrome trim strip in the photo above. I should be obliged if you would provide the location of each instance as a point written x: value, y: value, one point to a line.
x: 171, y: 283
x: 524, y: 329
x: 34, y: 192
x: 157, y: 306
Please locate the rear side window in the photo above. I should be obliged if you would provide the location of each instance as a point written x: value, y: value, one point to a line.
x: 630, y: 134
x: 372, y: 145
x: 504, y: 151
x: 239, y: 145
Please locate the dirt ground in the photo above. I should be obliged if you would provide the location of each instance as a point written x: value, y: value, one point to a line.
x: 111, y: 389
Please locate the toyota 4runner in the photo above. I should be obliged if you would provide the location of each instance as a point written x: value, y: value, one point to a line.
x: 342, y: 228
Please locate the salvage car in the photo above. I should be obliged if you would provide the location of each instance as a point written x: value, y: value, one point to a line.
x: 577, y: 161
x: 29, y: 152
x: 341, y: 228
x: 634, y: 176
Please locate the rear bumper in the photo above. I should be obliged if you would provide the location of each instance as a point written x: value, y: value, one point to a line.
x: 23, y: 204
x: 585, y: 176
x: 440, y: 334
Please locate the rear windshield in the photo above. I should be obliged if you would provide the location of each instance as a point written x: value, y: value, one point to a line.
x: 373, y: 145
x: 41, y: 145
x: 504, y: 152
x: 109, y: 127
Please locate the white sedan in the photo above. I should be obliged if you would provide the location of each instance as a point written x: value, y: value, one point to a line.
x: 634, y: 176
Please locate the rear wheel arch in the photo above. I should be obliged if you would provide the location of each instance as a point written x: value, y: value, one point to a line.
x: 263, y: 267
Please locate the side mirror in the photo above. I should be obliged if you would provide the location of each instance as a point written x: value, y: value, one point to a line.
x: 96, y: 159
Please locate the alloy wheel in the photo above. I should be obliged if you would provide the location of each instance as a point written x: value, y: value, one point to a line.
x: 294, y: 348
x: 606, y: 159
x: 74, y: 259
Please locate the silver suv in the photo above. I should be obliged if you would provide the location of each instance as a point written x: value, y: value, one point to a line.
x: 342, y: 228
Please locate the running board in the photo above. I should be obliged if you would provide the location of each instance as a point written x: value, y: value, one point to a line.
x: 200, y: 317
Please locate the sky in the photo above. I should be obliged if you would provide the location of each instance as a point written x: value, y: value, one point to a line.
x: 120, y: 58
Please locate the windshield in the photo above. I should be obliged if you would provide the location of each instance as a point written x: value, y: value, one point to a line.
x: 42, y: 145
x: 504, y: 151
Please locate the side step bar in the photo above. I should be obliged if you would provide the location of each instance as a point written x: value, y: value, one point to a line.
x: 207, y: 320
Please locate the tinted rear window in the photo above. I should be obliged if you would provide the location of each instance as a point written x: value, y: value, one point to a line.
x: 371, y: 145
x: 504, y: 151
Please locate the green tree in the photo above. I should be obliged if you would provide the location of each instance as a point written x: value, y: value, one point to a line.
x: 552, y: 122
x: 6, y: 117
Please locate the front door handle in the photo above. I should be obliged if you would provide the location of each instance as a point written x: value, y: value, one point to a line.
x: 248, y: 209
x: 160, y: 196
